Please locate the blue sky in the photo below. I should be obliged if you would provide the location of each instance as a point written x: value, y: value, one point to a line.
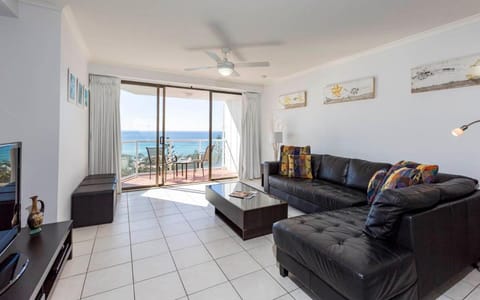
x: 138, y: 112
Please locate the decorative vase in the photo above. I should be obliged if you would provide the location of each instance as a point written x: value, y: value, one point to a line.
x: 35, y: 218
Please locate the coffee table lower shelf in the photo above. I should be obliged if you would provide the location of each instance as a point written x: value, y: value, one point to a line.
x: 248, y: 223
x: 249, y: 233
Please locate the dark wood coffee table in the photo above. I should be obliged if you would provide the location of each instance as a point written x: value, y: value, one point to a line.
x: 249, y: 217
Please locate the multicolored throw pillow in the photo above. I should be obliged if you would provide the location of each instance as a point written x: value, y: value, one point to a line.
x: 300, y: 166
x: 424, y: 174
x: 290, y: 150
x: 401, y: 178
x: 375, y: 184
x: 427, y: 173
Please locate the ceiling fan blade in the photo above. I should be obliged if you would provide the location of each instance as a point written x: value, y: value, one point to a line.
x: 235, y: 74
x: 252, y: 64
x: 235, y: 46
x: 224, y: 38
x: 214, y: 56
x: 200, y: 68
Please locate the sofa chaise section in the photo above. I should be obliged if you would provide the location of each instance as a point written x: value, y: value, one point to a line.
x: 332, y: 255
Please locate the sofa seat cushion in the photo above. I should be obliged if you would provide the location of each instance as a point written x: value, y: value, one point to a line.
x: 333, y: 246
x: 324, y: 194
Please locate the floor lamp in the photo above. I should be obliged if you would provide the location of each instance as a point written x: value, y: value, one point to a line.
x: 277, y: 140
x: 461, y: 130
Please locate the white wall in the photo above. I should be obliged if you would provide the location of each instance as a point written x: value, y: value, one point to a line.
x: 396, y: 124
x: 29, y: 110
x: 73, y: 136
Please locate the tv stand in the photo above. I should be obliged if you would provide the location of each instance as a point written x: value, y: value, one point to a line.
x: 47, y: 252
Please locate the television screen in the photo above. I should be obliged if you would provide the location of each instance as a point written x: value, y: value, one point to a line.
x: 9, y: 193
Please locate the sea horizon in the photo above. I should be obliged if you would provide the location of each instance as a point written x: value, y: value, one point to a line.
x: 182, y: 148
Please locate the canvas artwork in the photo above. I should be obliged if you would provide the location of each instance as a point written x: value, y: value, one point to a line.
x: 359, y: 89
x: 297, y: 99
x: 80, y: 94
x: 86, y: 94
x: 447, y: 74
x: 72, y: 87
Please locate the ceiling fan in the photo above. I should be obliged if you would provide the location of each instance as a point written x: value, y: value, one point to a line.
x: 226, y: 67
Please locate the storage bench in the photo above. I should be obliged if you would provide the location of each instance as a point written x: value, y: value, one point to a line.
x: 94, y: 200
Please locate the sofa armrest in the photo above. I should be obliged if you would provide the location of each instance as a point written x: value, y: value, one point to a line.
x: 269, y: 168
x: 444, y: 239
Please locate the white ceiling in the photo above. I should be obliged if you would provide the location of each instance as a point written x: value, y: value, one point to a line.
x: 299, y: 34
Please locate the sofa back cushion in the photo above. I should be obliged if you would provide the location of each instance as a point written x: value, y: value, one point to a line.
x: 456, y: 188
x: 334, y: 169
x: 361, y: 171
x: 316, y: 162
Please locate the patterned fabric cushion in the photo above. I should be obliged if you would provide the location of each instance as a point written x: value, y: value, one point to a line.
x: 300, y: 166
x: 401, y: 178
x: 375, y: 184
x: 427, y: 173
x: 285, y: 152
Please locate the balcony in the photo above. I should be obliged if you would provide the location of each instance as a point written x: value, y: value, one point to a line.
x: 138, y: 169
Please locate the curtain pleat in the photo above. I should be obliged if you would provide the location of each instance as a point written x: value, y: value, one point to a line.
x: 249, y: 166
x: 105, y: 131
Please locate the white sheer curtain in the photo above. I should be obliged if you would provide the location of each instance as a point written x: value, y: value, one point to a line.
x: 105, y: 142
x: 249, y: 166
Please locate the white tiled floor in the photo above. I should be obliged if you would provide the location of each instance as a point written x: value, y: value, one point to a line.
x: 168, y: 244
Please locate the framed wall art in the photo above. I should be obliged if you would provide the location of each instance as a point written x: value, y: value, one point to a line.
x: 447, y: 74
x: 353, y: 90
x: 293, y: 100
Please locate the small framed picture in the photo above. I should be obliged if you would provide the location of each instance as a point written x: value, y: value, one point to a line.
x: 72, y: 87
x: 86, y: 97
x: 80, y: 94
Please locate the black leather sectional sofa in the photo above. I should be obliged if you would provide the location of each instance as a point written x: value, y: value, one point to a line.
x: 433, y: 232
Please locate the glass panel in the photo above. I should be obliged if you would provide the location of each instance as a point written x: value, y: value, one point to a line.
x: 226, y: 122
x: 138, y: 117
x: 187, y: 132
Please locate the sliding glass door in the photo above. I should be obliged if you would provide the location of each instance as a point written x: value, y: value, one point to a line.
x: 141, y: 115
x: 173, y: 135
x: 226, y: 122
x: 187, y: 128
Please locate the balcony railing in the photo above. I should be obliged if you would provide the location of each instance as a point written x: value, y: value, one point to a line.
x: 135, y: 159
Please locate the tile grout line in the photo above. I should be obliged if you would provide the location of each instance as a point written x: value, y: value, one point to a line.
x: 473, y: 290
x: 216, y: 263
x: 169, y: 252
x: 88, y: 265
x: 130, y: 246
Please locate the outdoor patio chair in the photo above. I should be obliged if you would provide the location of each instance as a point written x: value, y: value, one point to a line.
x: 152, y: 156
x: 205, y: 158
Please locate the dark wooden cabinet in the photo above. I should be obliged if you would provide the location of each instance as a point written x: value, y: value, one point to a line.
x: 47, y: 253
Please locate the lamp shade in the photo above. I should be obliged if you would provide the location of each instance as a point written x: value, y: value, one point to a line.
x: 460, y: 130
x: 457, y: 131
x: 278, y: 137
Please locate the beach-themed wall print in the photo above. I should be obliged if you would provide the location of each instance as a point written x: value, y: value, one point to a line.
x: 447, y: 74
x: 353, y: 90
x: 86, y: 97
x: 80, y: 94
x: 293, y: 100
x: 71, y: 87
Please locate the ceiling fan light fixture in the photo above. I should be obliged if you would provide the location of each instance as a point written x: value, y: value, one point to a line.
x: 225, y: 71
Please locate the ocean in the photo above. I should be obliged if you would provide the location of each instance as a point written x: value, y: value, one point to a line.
x: 183, y: 143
